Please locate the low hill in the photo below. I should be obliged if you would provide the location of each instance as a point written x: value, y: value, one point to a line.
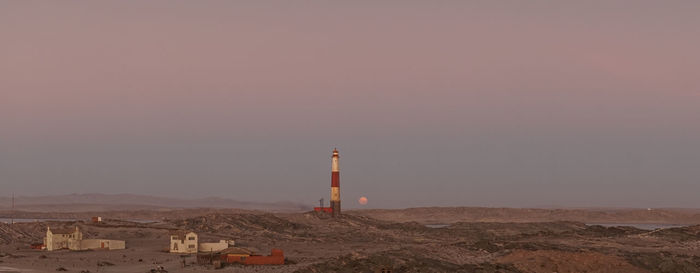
x: 112, y: 202
x: 447, y: 215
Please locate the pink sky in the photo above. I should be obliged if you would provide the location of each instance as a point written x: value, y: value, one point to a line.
x: 455, y: 103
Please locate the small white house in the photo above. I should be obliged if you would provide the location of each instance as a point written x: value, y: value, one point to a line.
x: 183, y: 242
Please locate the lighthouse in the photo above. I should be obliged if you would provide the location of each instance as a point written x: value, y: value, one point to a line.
x: 335, y: 184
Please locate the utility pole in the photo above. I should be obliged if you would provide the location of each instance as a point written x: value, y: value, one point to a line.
x: 12, y: 217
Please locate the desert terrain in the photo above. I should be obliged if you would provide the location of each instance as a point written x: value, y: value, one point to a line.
x: 412, y: 240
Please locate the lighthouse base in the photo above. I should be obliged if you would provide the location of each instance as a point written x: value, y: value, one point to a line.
x: 335, y: 208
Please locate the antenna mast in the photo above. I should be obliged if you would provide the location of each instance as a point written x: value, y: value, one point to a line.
x: 13, y: 209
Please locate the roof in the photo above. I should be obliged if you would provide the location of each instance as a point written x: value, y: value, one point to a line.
x: 181, y: 234
x: 237, y: 250
x: 63, y: 230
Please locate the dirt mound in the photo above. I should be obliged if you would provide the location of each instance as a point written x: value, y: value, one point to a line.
x: 681, y: 234
x: 239, y: 223
x: 511, y: 231
x: 21, y: 233
x: 498, y: 237
x: 446, y: 215
x: 665, y: 262
x: 601, y: 231
x: 548, y: 261
x: 306, y: 227
x: 402, y: 261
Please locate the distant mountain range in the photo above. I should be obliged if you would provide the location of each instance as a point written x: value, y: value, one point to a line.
x: 106, y: 202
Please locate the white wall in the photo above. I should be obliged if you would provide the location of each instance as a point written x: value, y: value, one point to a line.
x: 98, y: 244
x: 221, y: 245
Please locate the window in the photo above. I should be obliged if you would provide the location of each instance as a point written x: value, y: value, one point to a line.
x: 191, y: 238
x: 190, y: 246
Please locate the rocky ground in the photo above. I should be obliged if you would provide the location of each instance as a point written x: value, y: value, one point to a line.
x: 358, y: 242
x: 445, y: 215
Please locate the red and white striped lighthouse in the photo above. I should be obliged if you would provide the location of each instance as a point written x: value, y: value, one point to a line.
x: 335, y: 184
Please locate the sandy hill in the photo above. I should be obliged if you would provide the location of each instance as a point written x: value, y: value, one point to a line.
x: 447, y: 215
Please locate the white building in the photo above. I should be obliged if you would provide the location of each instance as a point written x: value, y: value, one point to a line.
x: 183, y: 242
x: 62, y: 239
x: 72, y: 239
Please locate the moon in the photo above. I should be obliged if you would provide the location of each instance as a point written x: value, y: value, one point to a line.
x: 362, y: 200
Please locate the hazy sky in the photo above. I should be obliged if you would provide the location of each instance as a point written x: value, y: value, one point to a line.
x: 475, y: 103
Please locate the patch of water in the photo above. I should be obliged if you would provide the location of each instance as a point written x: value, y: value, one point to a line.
x: 436, y: 225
